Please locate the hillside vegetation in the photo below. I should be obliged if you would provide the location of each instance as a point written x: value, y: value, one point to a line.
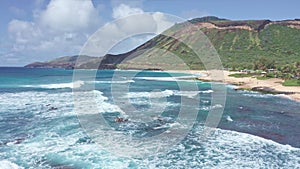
x: 240, y: 44
x: 240, y: 48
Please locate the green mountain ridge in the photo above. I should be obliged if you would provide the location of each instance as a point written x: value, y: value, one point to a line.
x: 238, y: 43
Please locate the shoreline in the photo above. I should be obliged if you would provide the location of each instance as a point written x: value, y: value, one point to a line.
x: 270, y: 86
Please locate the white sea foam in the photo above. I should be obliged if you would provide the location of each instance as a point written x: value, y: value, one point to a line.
x: 93, y: 102
x: 41, y: 103
x: 165, y: 93
x: 204, y: 101
x: 188, y: 94
x: 216, y: 106
x: 232, y: 86
x: 258, y: 95
x: 5, y: 164
x: 206, y: 108
x: 76, y: 84
x: 168, y: 125
x: 158, y: 78
x: 71, y: 85
x: 153, y: 94
x: 58, y: 104
x: 157, y: 104
x: 224, y: 149
x: 255, y: 94
x: 113, y: 81
x: 169, y: 79
x: 227, y: 149
x: 262, y: 95
x: 207, y: 91
x: 228, y: 118
x: 57, y: 143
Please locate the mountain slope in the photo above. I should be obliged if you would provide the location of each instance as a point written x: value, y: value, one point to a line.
x: 238, y: 43
x: 67, y: 62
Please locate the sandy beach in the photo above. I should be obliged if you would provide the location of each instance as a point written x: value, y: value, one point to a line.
x: 274, y: 84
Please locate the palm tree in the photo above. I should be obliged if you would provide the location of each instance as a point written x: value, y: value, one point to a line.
x: 263, y: 64
x: 297, y: 70
x: 297, y: 64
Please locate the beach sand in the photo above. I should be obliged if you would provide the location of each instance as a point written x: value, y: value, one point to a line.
x: 274, y: 84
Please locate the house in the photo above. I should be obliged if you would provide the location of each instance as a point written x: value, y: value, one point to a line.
x: 271, y: 70
x: 263, y: 73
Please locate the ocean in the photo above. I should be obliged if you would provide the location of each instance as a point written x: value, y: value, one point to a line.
x: 39, y: 127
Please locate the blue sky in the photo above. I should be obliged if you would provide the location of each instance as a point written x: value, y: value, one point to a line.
x: 39, y: 30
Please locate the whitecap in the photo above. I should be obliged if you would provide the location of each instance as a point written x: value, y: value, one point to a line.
x: 258, y: 95
x: 228, y: 118
x: 207, y: 91
x: 230, y: 86
x: 169, y: 79
x: 165, y: 93
x: 153, y: 94
x: 112, y: 81
x: 101, y: 101
x: 216, y: 106
x: 71, y: 85
x: 5, y: 164
x: 227, y: 149
x: 188, y: 94
x: 157, y: 78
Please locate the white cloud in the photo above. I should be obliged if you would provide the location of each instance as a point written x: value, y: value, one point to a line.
x: 23, y: 33
x: 129, y: 23
x: 125, y: 10
x: 142, y: 20
x: 63, y: 26
x: 69, y: 15
x: 60, y: 29
x: 16, y: 26
x: 131, y: 3
x: 163, y: 21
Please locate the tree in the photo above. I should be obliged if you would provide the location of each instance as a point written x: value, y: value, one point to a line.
x: 296, y: 70
x: 263, y: 64
x: 290, y: 71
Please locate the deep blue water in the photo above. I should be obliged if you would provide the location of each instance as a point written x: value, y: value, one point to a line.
x: 39, y: 127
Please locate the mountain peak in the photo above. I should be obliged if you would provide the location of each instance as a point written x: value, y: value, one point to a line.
x: 207, y: 19
x: 238, y: 42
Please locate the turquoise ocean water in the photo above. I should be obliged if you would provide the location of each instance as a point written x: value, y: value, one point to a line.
x: 40, y: 129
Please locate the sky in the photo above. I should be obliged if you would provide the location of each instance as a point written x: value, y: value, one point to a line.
x: 41, y: 30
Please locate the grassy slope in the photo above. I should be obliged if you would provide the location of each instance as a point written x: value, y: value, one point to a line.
x: 239, y: 48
